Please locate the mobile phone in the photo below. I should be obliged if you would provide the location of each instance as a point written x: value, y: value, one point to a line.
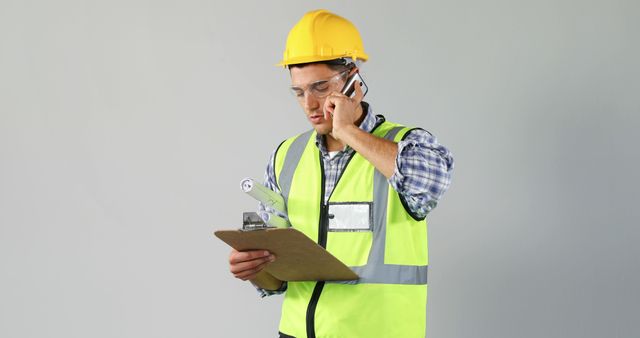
x: 349, y: 87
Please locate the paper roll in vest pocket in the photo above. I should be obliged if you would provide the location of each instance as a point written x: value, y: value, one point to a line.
x: 350, y: 216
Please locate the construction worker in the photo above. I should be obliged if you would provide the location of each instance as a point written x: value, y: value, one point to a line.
x: 359, y: 186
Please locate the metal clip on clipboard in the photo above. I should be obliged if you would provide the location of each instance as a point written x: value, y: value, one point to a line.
x: 251, y: 221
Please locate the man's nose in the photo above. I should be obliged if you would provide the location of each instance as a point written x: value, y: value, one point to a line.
x: 310, y: 101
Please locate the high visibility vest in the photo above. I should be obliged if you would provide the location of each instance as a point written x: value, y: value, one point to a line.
x: 389, y: 253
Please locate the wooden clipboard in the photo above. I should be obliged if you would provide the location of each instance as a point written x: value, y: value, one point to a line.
x: 298, y: 258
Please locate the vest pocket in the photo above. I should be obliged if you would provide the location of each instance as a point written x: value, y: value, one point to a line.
x: 351, y: 248
x: 349, y: 235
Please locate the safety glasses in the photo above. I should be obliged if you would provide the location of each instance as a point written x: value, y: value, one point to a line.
x: 320, y: 89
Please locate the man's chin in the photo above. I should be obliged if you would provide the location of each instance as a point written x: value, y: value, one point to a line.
x: 322, y: 130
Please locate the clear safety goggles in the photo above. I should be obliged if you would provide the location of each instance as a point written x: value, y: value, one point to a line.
x: 320, y: 89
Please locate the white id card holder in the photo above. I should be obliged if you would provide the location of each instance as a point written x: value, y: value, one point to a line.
x: 350, y: 216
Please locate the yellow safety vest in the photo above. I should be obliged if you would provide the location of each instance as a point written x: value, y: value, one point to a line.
x: 388, y: 251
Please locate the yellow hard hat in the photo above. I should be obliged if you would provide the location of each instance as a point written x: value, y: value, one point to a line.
x: 320, y: 36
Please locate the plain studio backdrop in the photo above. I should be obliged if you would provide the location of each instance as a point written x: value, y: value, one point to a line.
x: 126, y: 126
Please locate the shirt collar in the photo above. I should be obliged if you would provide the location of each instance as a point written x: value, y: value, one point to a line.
x: 368, y: 124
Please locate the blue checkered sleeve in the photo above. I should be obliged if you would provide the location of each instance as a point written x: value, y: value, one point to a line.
x: 266, y: 293
x: 423, y: 171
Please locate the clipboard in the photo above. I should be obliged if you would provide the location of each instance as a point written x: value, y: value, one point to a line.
x: 298, y: 257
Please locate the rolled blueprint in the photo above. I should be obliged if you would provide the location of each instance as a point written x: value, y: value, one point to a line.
x: 263, y: 194
x: 277, y: 221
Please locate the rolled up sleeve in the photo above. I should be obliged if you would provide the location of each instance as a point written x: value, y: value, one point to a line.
x: 266, y: 293
x: 423, y: 171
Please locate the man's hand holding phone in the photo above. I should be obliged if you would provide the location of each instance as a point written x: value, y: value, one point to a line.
x: 343, y: 109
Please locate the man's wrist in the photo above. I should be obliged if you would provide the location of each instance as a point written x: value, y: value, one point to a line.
x: 346, y: 133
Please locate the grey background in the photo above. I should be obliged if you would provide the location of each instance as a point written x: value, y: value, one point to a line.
x: 125, y: 127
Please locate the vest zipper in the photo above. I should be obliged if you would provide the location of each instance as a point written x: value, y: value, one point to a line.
x: 322, y: 241
x: 323, y: 226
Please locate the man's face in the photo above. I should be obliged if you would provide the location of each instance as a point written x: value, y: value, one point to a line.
x: 310, y: 85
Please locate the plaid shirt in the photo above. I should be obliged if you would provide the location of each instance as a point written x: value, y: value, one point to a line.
x: 422, y: 174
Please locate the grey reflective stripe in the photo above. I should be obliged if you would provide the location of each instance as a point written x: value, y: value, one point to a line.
x: 291, y: 160
x: 391, y: 274
x: 375, y: 271
x: 391, y: 134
